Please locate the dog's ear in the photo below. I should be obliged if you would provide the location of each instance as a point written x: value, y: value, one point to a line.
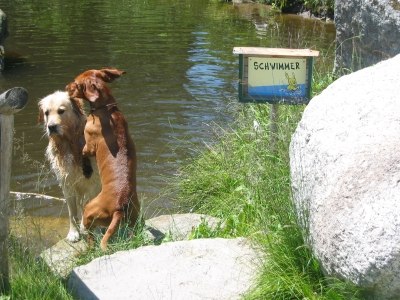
x: 73, y: 90
x: 75, y: 96
x: 91, y: 89
x: 110, y: 74
x: 40, y: 119
x: 77, y: 105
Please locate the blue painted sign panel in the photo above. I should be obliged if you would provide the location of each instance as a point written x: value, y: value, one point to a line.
x: 275, y: 75
x: 279, y: 77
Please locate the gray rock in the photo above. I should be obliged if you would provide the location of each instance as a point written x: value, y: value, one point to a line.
x: 366, y: 33
x: 13, y: 100
x: 37, y: 204
x: 197, y: 269
x: 177, y: 227
x: 345, y: 172
x: 242, y: 1
x: 61, y: 257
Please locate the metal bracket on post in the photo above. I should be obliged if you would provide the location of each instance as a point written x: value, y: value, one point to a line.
x: 11, y: 101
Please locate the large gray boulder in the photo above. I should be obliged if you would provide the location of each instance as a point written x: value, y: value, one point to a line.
x: 62, y: 257
x: 367, y: 32
x: 345, y: 172
x: 198, y: 269
x: 177, y: 227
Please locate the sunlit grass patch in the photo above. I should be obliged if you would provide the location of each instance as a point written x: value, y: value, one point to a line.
x: 126, y: 238
x: 30, y: 277
x: 243, y: 178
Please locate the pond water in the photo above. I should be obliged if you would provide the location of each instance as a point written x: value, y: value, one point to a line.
x: 181, y: 75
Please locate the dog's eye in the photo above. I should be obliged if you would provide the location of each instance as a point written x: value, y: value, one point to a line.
x: 46, y: 113
x: 61, y: 111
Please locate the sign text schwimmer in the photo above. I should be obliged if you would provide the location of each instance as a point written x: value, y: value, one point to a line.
x: 275, y: 75
x: 276, y: 66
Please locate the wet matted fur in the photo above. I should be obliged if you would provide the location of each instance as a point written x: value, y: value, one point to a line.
x: 64, y: 121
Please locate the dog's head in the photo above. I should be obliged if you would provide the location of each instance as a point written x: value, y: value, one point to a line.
x: 91, y: 86
x: 60, y: 114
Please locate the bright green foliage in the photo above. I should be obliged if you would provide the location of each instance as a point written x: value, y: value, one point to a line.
x: 31, y: 278
x: 243, y: 178
x: 125, y: 238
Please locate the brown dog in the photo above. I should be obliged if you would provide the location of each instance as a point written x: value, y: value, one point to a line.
x: 107, y: 138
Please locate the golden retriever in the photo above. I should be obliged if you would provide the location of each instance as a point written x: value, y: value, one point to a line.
x: 64, y: 122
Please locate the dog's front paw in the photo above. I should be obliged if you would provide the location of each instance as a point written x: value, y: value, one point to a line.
x: 82, y: 229
x: 72, y: 236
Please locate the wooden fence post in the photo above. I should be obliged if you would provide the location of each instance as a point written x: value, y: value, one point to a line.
x: 11, y: 101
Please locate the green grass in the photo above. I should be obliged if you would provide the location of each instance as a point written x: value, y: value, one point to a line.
x: 124, y: 239
x: 31, y: 278
x: 243, y: 178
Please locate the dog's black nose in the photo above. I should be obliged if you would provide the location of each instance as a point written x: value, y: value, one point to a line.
x: 52, y: 128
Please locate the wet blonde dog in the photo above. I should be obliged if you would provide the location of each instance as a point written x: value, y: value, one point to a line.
x: 108, y: 139
x: 64, y: 122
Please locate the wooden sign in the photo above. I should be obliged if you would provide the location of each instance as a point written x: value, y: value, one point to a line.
x: 275, y: 75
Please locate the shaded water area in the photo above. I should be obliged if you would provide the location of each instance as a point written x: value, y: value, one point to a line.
x: 181, y: 77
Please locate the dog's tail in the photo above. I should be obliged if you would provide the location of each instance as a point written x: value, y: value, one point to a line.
x: 116, y: 220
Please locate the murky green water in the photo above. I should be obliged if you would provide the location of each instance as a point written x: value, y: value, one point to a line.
x: 181, y: 73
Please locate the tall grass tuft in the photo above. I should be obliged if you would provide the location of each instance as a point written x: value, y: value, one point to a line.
x: 125, y: 238
x: 31, y: 278
x: 243, y: 178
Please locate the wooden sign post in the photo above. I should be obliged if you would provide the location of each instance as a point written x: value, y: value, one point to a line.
x: 11, y: 101
x: 275, y: 76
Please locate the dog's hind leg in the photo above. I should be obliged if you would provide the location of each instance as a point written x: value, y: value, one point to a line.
x: 116, y: 220
x: 89, y: 218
